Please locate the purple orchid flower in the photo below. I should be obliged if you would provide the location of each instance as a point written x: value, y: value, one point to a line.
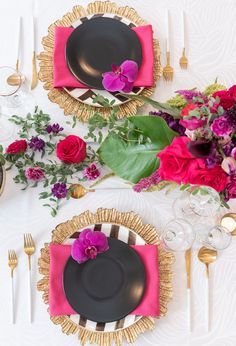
x: 121, y: 78
x: 88, y: 245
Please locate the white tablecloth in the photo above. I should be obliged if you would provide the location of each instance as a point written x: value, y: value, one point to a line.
x: 211, y: 51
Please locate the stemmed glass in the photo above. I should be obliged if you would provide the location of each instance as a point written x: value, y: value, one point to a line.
x: 13, y: 100
x: 202, y: 201
x: 216, y: 237
x: 178, y: 235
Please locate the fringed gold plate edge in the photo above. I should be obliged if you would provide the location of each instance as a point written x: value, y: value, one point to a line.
x: 60, y: 96
x: 134, y: 222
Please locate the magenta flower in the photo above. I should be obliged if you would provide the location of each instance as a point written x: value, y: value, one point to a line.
x: 91, y: 172
x: 88, y: 245
x: 146, y: 183
x: 221, y: 126
x: 34, y: 173
x: 122, y: 77
x: 231, y: 188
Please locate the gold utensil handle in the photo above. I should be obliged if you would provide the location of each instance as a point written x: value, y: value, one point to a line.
x: 168, y: 58
x: 34, y: 72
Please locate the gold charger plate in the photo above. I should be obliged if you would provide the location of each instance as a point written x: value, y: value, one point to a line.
x: 65, y: 100
x: 132, y: 221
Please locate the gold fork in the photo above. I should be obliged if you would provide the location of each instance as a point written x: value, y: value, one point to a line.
x: 12, y: 263
x: 183, y: 61
x: 168, y: 71
x: 29, y: 249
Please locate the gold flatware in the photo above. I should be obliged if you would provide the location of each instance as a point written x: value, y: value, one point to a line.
x: 12, y: 263
x: 29, y: 249
x: 79, y: 191
x: 228, y: 221
x: 17, y: 78
x: 34, y: 80
x: 188, y: 257
x: 168, y: 70
x: 207, y: 256
x: 183, y: 61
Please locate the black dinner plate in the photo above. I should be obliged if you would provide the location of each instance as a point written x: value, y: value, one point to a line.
x: 98, y: 43
x: 107, y: 288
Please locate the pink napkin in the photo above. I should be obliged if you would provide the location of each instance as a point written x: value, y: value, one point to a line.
x: 62, y: 77
x: 58, y: 305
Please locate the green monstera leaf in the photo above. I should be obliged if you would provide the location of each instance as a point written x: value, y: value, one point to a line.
x: 131, y: 160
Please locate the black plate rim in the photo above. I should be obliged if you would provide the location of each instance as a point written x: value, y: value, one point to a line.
x: 70, y: 67
x: 141, y: 297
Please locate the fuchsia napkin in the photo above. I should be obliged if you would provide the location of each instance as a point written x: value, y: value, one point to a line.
x: 62, y: 77
x: 58, y: 305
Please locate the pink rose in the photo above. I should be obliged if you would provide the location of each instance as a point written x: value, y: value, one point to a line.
x: 176, y: 162
x: 213, y: 177
x: 193, y: 123
x: 72, y: 149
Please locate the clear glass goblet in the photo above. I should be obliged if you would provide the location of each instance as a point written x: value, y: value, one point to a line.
x: 178, y: 235
x: 216, y: 237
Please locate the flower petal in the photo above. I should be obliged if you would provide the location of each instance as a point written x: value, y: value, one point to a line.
x: 99, y: 240
x: 112, y: 82
x: 129, y: 69
x: 128, y: 87
x: 78, y: 251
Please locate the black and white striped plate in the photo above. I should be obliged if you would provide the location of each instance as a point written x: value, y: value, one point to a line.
x: 86, y: 95
x: 127, y: 236
x: 2, y: 178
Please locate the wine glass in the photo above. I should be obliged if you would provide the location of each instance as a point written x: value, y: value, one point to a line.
x: 14, y: 99
x: 178, y: 235
x: 202, y: 201
x: 216, y: 237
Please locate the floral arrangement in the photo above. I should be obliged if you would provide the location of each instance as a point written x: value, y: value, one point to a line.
x: 88, y: 245
x: 44, y: 155
x: 190, y: 140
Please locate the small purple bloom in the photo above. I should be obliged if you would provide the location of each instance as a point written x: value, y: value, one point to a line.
x: 91, y: 172
x: 88, y: 245
x: 34, y: 173
x: 214, y: 158
x: 59, y: 190
x: 55, y: 128
x: 36, y: 143
x: 121, y: 78
x: 171, y: 122
x: 188, y: 95
x: 221, y: 126
x: 146, y: 183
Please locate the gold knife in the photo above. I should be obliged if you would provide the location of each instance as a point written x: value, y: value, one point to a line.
x: 34, y: 80
x: 188, y: 255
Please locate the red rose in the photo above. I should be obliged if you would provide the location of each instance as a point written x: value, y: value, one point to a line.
x: 232, y: 92
x: 226, y: 100
x: 177, y: 163
x: 213, y: 177
x: 72, y: 149
x: 17, y: 147
x: 193, y: 123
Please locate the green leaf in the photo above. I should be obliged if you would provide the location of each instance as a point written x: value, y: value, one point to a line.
x: 131, y: 160
x: 164, y: 107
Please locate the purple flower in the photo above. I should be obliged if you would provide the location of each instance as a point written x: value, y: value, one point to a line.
x: 221, y: 126
x: 214, y: 158
x: 121, y: 78
x: 55, y: 128
x: 88, y: 245
x: 34, y: 173
x: 91, y: 172
x: 171, y: 122
x: 231, y: 188
x: 200, y: 148
x: 146, y: 183
x: 36, y: 143
x: 59, y: 190
x: 188, y: 95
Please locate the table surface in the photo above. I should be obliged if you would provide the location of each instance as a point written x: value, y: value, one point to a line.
x: 211, y: 50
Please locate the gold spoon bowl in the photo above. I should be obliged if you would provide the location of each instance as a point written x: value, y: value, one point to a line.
x: 207, y: 256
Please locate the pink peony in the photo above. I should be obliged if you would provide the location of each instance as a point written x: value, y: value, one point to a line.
x: 34, y: 173
x: 88, y: 245
x: 193, y: 123
x: 121, y: 78
x: 221, y: 126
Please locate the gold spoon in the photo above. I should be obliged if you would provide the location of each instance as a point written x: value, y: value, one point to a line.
x: 207, y: 256
x: 78, y: 190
